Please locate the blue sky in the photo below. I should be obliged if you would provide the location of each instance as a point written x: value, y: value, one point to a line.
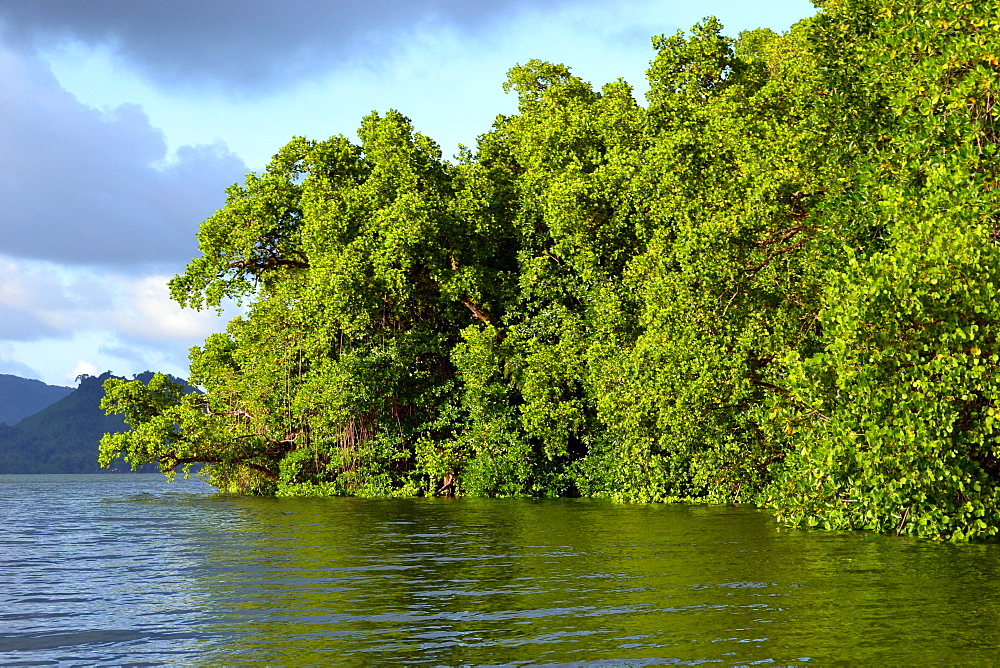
x: 124, y: 121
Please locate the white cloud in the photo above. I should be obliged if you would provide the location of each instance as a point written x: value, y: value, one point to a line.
x: 82, y: 368
x: 78, y: 298
x: 149, y: 314
x: 28, y: 285
x: 53, y: 316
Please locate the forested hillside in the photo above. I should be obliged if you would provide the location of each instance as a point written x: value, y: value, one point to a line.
x: 64, y: 436
x: 774, y: 282
x: 21, y: 397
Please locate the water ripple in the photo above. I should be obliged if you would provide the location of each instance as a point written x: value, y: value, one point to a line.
x: 129, y: 570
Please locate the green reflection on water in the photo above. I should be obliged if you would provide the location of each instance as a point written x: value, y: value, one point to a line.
x: 520, y: 581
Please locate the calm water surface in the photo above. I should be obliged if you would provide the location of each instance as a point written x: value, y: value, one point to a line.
x: 132, y: 570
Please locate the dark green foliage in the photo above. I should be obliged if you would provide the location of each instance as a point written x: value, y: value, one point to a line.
x: 775, y: 283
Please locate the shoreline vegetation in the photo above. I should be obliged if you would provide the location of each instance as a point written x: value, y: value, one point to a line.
x: 776, y: 284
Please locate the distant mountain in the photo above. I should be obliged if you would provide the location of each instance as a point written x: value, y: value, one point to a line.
x: 64, y: 437
x: 21, y: 397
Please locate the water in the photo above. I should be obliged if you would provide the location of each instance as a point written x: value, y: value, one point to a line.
x: 131, y: 570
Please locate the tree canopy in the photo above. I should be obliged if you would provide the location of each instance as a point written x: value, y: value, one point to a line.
x: 774, y: 282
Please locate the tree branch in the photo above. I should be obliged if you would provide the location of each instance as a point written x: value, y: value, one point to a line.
x: 760, y: 383
x: 753, y: 271
x: 179, y: 461
x: 477, y: 311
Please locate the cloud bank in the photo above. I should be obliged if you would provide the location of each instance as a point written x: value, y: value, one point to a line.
x: 82, y: 186
x: 116, y: 321
x: 249, y: 45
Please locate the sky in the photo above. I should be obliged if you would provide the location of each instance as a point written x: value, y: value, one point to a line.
x: 122, y: 122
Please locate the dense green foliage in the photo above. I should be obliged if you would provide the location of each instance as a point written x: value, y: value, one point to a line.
x: 775, y: 283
